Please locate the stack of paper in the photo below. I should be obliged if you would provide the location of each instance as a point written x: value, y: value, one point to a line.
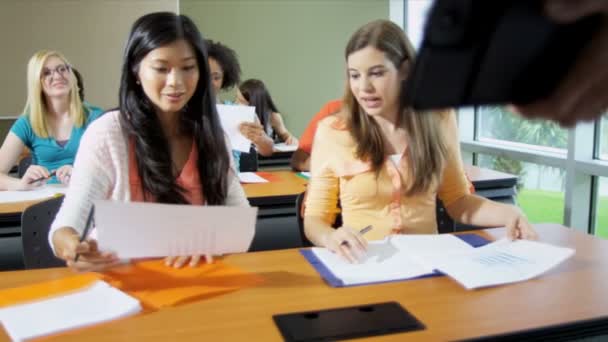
x: 146, y: 230
x: 282, y: 147
x: 251, y: 177
x: 95, y: 304
x: 43, y: 192
x: 403, y: 257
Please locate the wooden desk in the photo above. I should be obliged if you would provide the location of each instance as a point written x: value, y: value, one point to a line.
x: 567, y: 302
x: 276, y: 226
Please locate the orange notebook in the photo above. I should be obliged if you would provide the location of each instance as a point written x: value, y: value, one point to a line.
x: 150, y: 281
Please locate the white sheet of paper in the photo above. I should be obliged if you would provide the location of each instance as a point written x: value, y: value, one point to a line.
x: 231, y: 116
x: 45, y: 191
x: 501, y: 262
x: 305, y: 174
x: 142, y: 230
x: 97, y: 303
x: 251, y: 177
x: 282, y: 147
x: 390, y: 259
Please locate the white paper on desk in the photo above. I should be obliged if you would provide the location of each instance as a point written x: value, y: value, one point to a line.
x: 282, y: 147
x: 251, y: 177
x: 231, y: 116
x: 97, y: 303
x: 45, y: 191
x: 390, y: 259
x: 142, y: 230
x: 501, y: 262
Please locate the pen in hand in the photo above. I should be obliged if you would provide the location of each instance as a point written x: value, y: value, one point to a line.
x: 87, y: 226
x: 42, y: 178
x: 362, y: 231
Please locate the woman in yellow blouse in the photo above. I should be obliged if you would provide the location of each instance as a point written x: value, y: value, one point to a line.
x: 386, y: 164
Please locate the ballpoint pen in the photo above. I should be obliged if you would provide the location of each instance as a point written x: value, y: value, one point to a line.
x: 362, y: 231
x: 87, y: 227
x: 42, y: 178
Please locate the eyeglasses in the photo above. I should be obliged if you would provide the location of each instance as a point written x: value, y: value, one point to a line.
x: 61, y: 70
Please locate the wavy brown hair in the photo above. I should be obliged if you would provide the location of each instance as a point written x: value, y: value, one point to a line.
x: 427, y: 150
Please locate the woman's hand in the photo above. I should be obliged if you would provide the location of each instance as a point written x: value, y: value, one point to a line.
x: 63, y: 174
x: 291, y: 140
x: 34, y: 176
x: 252, y: 131
x: 179, y: 261
x: 67, y: 246
x: 346, y: 242
x: 518, y: 226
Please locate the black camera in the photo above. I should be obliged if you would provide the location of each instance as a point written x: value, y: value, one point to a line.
x: 480, y: 52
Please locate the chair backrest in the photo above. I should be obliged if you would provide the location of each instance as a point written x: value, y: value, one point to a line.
x: 249, y: 161
x: 300, y: 217
x: 35, y: 224
x: 445, y: 224
x: 24, y: 163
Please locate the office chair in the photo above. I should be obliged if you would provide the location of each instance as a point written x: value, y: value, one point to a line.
x: 35, y: 224
x: 24, y: 163
x: 445, y: 224
x: 249, y: 161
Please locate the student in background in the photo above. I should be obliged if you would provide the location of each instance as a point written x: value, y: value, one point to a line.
x: 300, y: 160
x: 225, y: 75
x: 269, y: 127
x: 386, y: 163
x: 53, y: 121
x: 225, y: 68
x: 165, y: 144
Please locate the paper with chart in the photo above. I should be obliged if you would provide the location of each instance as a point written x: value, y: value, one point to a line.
x: 393, y: 258
x: 231, y: 116
x: 97, y: 303
x: 143, y: 230
x: 43, y: 192
x: 501, y: 262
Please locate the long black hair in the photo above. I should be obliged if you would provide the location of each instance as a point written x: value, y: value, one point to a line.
x: 198, y: 118
x: 258, y: 96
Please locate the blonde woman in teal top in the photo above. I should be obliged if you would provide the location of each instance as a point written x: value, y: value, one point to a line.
x: 53, y: 122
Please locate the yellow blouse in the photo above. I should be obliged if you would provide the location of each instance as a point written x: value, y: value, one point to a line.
x: 336, y: 173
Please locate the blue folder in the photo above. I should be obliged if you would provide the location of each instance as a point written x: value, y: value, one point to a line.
x: 472, y: 239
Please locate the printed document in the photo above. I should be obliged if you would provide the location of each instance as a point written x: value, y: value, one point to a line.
x: 501, y: 262
x: 401, y: 257
x: 95, y: 304
x: 231, y: 116
x: 144, y: 230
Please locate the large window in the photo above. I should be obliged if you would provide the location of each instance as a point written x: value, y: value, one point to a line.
x: 540, y: 188
x: 538, y: 152
x: 601, y: 214
x: 604, y: 138
x: 501, y: 126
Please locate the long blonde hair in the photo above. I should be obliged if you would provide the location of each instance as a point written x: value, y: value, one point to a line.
x: 427, y: 148
x: 35, y: 106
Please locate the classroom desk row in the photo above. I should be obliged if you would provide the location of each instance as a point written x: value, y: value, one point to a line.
x: 566, y: 303
x: 276, y: 227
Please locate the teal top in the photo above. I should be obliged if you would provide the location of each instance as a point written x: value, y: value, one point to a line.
x: 47, y: 152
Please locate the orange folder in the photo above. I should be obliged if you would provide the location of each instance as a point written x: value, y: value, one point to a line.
x: 269, y: 176
x: 150, y: 281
